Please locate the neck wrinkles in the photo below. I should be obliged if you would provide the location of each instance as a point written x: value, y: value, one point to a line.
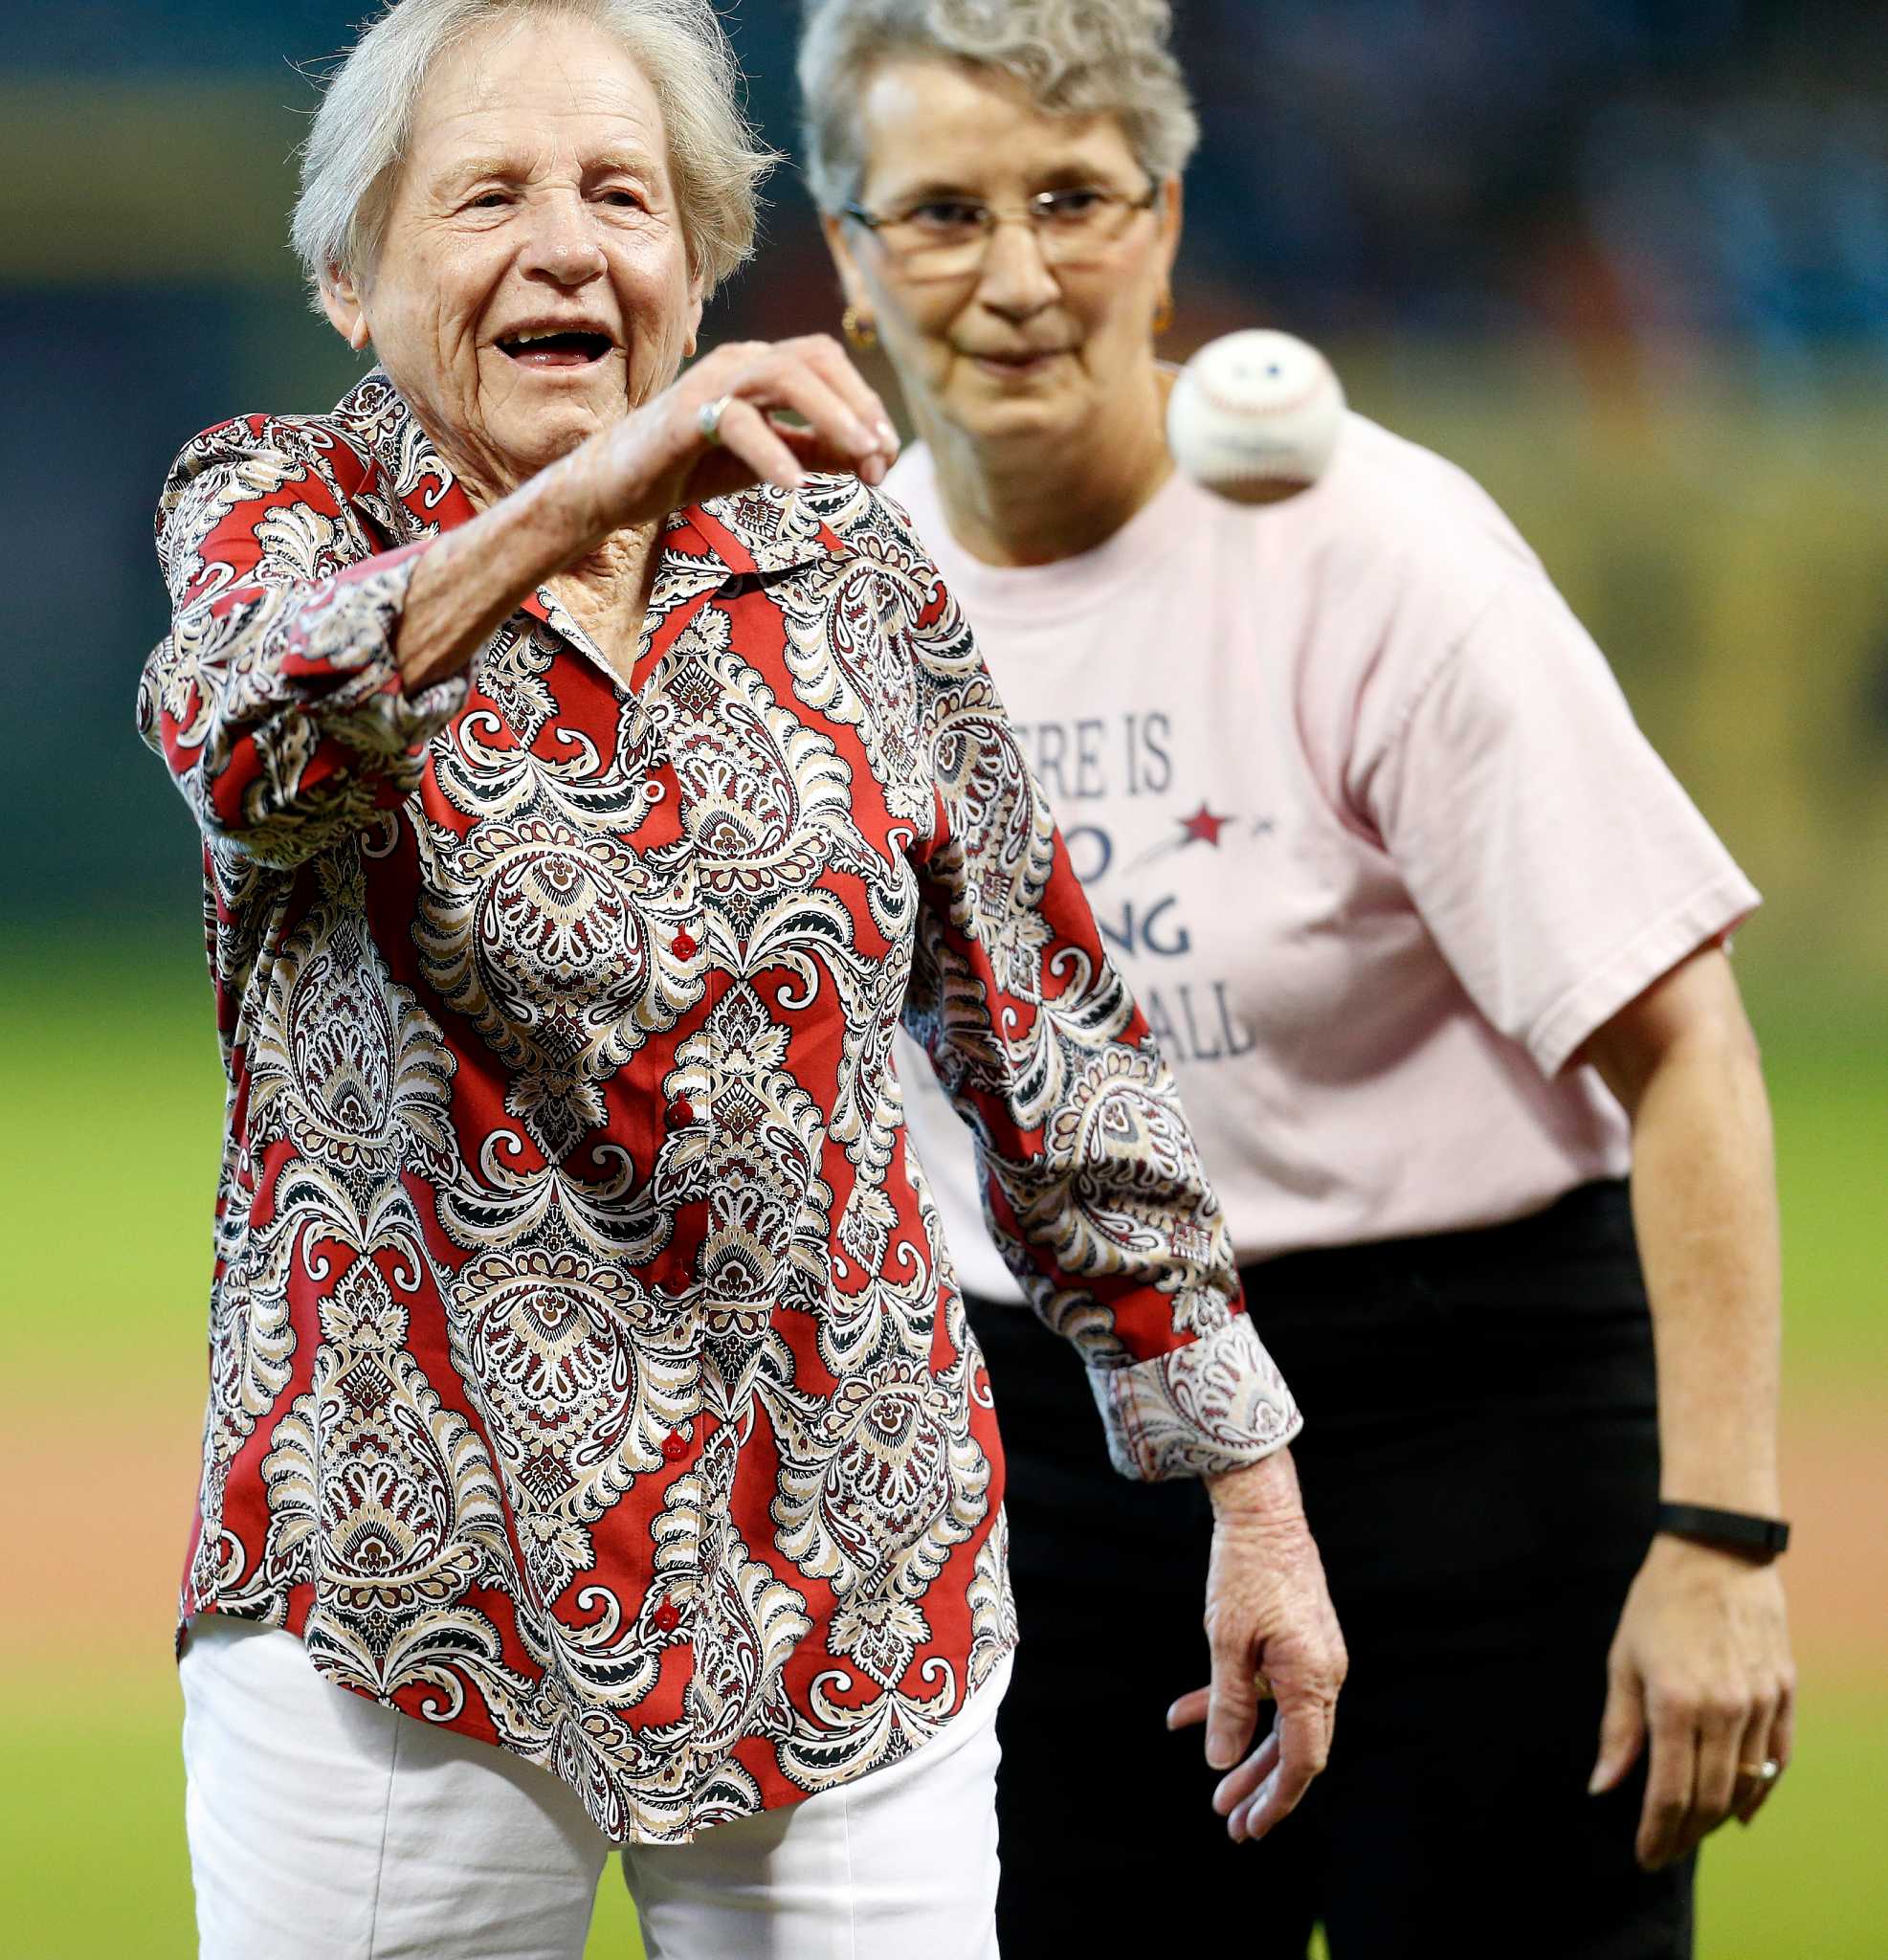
x: 1033, y: 500
x: 607, y: 590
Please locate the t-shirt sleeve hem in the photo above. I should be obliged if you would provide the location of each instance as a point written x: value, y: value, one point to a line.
x: 1713, y: 910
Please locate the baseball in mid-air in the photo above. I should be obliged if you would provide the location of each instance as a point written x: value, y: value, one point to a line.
x: 1255, y: 417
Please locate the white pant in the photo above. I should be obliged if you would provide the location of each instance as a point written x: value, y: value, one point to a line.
x: 326, y: 1827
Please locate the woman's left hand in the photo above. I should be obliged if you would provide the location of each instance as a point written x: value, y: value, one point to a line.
x: 1700, y: 1667
x: 1272, y: 1631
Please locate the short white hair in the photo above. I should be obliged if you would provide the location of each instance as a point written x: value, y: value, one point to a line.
x: 363, y: 126
x: 1076, y: 57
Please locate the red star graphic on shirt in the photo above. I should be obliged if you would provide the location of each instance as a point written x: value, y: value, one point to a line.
x: 1203, y: 827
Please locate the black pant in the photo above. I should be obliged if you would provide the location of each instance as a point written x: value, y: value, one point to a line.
x: 1480, y: 1466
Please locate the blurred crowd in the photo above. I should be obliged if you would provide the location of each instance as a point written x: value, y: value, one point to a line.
x: 1638, y: 189
x: 1646, y: 169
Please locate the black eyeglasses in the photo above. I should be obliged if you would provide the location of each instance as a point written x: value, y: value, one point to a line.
x: 947, y: 238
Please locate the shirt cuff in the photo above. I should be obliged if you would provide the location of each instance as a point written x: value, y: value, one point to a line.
x: 344, y: 632
x: 1216, y: 1404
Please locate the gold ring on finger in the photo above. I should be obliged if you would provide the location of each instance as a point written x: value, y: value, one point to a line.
x: 1765, y: 1772
x: 709, y: 420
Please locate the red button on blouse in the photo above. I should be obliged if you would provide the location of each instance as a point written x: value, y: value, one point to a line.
x: 682, y: 1113
x: 675, y: 1446
x: 667, y: 1617
x: 683, y: 946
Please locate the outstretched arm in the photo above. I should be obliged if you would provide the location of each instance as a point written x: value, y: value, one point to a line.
x: 306, y: 672
x: 632, y: 475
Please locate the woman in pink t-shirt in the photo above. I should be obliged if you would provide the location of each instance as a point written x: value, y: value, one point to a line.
x: 1435, y: 945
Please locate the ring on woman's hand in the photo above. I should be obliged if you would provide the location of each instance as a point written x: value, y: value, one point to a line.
x: 709, y: 420
x: 1760, y: 1773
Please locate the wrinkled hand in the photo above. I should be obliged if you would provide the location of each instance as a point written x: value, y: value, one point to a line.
x: 1700, y: 1664
x: 1269, y: 1620
x: 659, y: 458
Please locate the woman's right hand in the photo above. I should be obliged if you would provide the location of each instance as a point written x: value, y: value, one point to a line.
x: 660, y: 457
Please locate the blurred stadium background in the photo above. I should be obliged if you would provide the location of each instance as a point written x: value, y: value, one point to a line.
x: 1627, y: 261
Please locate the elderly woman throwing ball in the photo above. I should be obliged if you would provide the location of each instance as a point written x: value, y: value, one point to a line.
x: 1434, y: 946
x: 593, y: 773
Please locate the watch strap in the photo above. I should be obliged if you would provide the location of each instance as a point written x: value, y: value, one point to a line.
x: 1737, y: 1530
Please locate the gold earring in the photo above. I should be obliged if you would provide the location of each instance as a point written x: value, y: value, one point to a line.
x: 861, y: 331
x: 1163, y: 315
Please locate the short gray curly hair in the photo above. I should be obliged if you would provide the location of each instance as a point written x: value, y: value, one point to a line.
x: 362, y: 130
x: 1076, y: 58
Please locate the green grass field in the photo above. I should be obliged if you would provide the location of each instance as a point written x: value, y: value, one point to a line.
x: 107, y: 1164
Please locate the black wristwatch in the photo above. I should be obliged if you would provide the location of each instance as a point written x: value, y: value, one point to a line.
x: 1758, y: 1538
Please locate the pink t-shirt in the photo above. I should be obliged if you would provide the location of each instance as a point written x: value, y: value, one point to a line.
x: 1369, y: 827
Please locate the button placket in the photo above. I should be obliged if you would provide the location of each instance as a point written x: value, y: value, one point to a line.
x: 685, y: 1109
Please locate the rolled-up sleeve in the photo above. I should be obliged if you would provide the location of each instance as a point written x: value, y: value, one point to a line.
x: 275, y: 699
x: 1092, y: 1185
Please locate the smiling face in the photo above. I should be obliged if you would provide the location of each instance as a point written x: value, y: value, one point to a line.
x: 1019, y: 348
x: 533, y: 282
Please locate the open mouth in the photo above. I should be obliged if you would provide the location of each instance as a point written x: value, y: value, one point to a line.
x: 564, y: 347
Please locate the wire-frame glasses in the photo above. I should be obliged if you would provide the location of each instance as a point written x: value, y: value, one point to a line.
x: 947, y: 238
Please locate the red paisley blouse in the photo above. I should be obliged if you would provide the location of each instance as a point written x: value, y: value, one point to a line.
x: 585, y: 1371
